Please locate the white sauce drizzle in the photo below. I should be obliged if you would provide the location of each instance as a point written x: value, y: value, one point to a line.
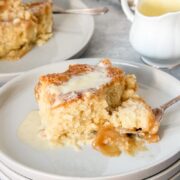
x: 29, y: 131
x: 83, y: 82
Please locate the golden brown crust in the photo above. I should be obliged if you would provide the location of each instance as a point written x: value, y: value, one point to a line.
x: 112, y: 70
x: 3, y: 5
x: 77, y: 69
x: 7, y: 4
x: 57, y: 79
x: 43, y: 14
x: 116, y: 75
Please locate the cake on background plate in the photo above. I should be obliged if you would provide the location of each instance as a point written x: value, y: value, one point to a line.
x: 22, y: 26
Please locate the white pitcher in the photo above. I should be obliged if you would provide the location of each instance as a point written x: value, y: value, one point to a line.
x: 156, y: 38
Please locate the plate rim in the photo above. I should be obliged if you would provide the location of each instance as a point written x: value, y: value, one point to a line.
x: 87, y: 60
x: 81, y: 50
x: 163, y: 173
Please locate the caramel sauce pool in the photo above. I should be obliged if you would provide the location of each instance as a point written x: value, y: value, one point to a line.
x: 111, y: 143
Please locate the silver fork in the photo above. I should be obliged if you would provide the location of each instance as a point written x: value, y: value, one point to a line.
x: 159, y: 112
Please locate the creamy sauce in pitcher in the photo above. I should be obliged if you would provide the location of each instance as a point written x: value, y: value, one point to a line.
x: 158, y: 7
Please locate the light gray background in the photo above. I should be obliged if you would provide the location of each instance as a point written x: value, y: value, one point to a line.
x: 111, y: 35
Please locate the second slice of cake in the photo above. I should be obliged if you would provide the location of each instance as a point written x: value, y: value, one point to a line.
x: 22, y: 26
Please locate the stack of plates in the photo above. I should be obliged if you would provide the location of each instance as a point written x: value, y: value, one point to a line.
x: 172, y: 173
x: 155, y: 86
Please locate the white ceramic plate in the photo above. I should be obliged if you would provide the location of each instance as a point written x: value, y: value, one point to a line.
x: 9, y: 174
x: 71, y: 36
x: 170, y: 172
x: 17, y: 100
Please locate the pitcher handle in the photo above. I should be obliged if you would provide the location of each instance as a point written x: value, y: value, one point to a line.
x: 129, y: 13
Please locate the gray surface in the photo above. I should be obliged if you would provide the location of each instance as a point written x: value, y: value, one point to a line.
x: 111, y: 35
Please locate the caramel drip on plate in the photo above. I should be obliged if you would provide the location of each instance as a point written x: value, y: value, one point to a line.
x: 111, y: 143
x: 106, y: 141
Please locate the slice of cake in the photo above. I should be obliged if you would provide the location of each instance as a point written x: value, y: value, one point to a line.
x: 22, y: 26
x: 76, y: 105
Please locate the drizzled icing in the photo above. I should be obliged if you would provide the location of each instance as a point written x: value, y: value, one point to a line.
x: 79, y: 84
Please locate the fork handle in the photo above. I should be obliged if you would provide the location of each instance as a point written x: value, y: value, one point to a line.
x: 170, y: 103
x: 88, y: 11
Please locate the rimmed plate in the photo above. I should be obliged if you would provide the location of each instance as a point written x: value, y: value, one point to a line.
x: 170, y: 172
x: 72, y: 34
x: 17, y: 100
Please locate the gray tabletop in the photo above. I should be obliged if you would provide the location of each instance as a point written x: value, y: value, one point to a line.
x: 111, y: 35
